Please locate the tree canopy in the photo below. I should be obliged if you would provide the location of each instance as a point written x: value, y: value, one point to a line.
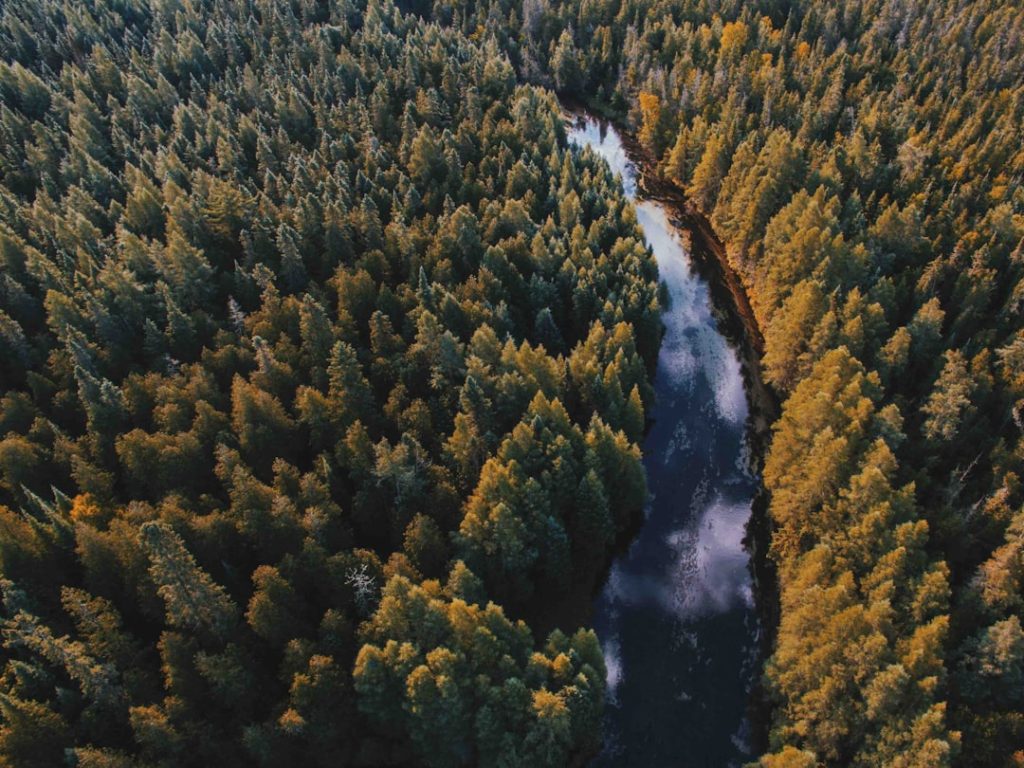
x: 306, y: 311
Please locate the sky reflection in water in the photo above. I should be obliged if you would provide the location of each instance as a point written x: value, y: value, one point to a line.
x: 676, y: 617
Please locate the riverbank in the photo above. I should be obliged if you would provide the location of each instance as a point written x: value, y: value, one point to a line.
x: 736, y: 321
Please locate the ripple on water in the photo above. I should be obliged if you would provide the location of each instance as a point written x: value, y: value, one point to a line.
x: 678, y: 445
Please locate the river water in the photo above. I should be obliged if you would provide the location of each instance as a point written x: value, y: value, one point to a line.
x: 676, y: 618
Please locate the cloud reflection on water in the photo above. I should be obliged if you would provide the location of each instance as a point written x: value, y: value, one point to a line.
x: 675, y: 616
x: 710, y: 573
x: 692, y: 342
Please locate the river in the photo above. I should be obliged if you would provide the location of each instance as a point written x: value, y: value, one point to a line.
x: 676, y: 617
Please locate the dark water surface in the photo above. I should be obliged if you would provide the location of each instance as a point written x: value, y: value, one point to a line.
x: 676, y: 618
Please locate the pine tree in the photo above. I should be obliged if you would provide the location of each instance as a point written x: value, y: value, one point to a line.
x: 951, y: 397
x: 192, y: 599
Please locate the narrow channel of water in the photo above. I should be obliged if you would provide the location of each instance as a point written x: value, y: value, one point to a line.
x: 676, y: 617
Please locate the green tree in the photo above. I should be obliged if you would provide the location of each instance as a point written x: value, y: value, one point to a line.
x: 192, y: 599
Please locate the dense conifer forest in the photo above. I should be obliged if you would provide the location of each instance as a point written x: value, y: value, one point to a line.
x: 862, y: 162
x: 317, y: 340
x: 325, y: 361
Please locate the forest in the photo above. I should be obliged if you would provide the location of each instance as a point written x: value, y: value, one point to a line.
x: 325, y: 362
x: 862, y: 162
x: 321, y: 351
